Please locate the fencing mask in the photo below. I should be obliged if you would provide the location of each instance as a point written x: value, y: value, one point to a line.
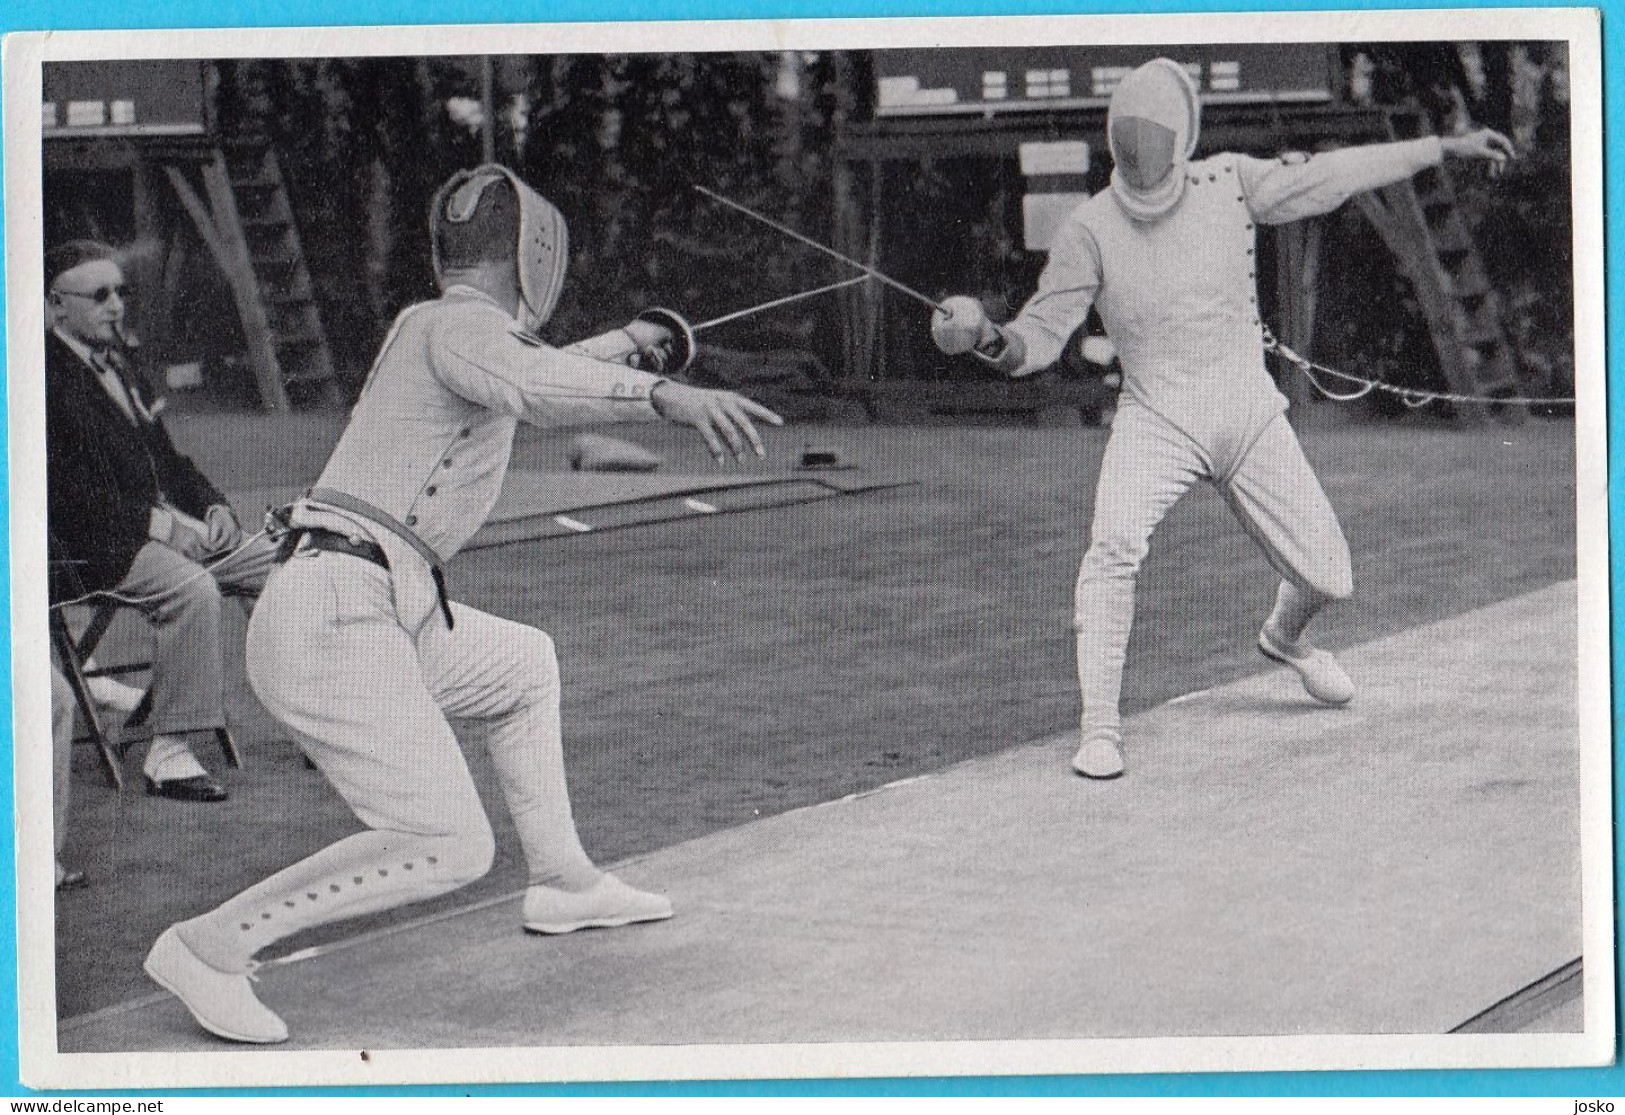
x: 474, y: 218
x: 1152, y: 126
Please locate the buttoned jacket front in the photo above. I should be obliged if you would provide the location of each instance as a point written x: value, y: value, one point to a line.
x: 429, y: 440
x: 1179, y: 295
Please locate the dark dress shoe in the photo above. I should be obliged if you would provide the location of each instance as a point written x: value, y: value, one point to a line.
x: 200, y: 787
x: 73, y: 880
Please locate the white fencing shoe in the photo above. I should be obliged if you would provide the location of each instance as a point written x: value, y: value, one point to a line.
x: 1323, y: 679
x: 223, y: 1004
x: 1101, y: 756
x: 604, y: 905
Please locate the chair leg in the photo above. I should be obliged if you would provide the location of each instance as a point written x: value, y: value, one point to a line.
x: 111, y: 755
x: 139, y: 714
x: 229, y: 746
x: 100, y: 621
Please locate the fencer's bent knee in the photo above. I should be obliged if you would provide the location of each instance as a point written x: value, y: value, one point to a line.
x: 1328, y: 585
x: 1333, y: 578
x: 1339, y: 585
x: 461, y: 857
x: 541, y: 660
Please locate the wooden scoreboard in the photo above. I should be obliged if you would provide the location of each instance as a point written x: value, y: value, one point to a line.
x: 129, y: 98
x: 998, y: 87
x: 992, y: 80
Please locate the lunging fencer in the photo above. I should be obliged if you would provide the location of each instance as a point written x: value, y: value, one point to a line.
x: 1167, y: 255
x: 355, y: 646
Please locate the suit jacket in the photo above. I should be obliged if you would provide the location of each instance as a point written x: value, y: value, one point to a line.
x: 104, y: 475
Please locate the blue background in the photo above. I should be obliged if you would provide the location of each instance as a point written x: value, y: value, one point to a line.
x: 112, y: 14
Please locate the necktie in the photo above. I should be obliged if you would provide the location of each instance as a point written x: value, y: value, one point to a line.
x: 113, y: 383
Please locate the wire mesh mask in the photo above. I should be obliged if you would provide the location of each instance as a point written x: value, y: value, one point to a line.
x: 1152, y: 128
x: 543, y: 248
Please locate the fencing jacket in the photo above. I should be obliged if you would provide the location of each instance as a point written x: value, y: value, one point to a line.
x: 429, y: 440
x: 1179, y: 294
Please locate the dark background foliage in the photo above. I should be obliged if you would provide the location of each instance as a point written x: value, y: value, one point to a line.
x: 617, y: 141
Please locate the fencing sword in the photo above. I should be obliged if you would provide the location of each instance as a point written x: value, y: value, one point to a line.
x: 811, y: 243
x: 685, y: 346
x: 775, y: 303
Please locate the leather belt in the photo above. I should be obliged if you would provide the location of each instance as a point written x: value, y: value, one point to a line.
x: 358, y: 506
x: 331, y: 541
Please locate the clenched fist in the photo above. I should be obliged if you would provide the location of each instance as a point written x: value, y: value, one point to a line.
x: 960, y: 325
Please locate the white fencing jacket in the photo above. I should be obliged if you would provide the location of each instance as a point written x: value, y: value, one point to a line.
x: 430, y: 438
x: 1179, y: 294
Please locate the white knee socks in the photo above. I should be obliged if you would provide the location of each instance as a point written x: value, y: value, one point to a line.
x: 360, y: 874
x: 1294, y: 608
x: 1104, y: 616
x: 527, y: 749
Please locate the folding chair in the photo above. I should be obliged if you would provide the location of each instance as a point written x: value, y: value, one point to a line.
x: 74, y: 653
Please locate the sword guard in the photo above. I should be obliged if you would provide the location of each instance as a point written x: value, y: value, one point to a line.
x: 278, y: 522
x: 684, y: 346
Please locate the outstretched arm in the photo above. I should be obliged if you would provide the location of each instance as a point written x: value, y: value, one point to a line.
x: 615, y: 347
x: 725, y: 420
x: 486, y: 362
x: 1280, y: 190
x: 1486, y: 144
x: 484, y: 359
x: 643, y: 343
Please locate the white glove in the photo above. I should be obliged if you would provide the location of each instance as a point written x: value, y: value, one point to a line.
x: 646, y: 334
x: 224, y: 530
x: 651, y: 346
x: 962, y: 325
x: 665, y: 341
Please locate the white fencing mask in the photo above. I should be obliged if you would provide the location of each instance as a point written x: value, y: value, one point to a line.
x: 543, y: 247
x: 1152, y: 126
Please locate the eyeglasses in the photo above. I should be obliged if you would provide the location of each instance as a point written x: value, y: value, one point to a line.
x: 100, y: 295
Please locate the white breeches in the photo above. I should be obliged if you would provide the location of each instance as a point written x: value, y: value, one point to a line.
x: 1148, y: 465
x: 329, y: 657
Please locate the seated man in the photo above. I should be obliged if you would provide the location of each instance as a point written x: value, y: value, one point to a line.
x: 132, y: 518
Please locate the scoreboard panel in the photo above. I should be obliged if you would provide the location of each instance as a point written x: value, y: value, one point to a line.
x: 989, y: 80
x: 124, y: 98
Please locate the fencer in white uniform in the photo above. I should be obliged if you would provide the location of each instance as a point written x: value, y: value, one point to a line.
x: 355, y: 646
x: 1167, y: 255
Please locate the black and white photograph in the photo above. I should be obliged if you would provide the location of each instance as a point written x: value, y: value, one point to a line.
x: 809, y: 549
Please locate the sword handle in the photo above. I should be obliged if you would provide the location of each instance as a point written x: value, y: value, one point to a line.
x: 684, y: 346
